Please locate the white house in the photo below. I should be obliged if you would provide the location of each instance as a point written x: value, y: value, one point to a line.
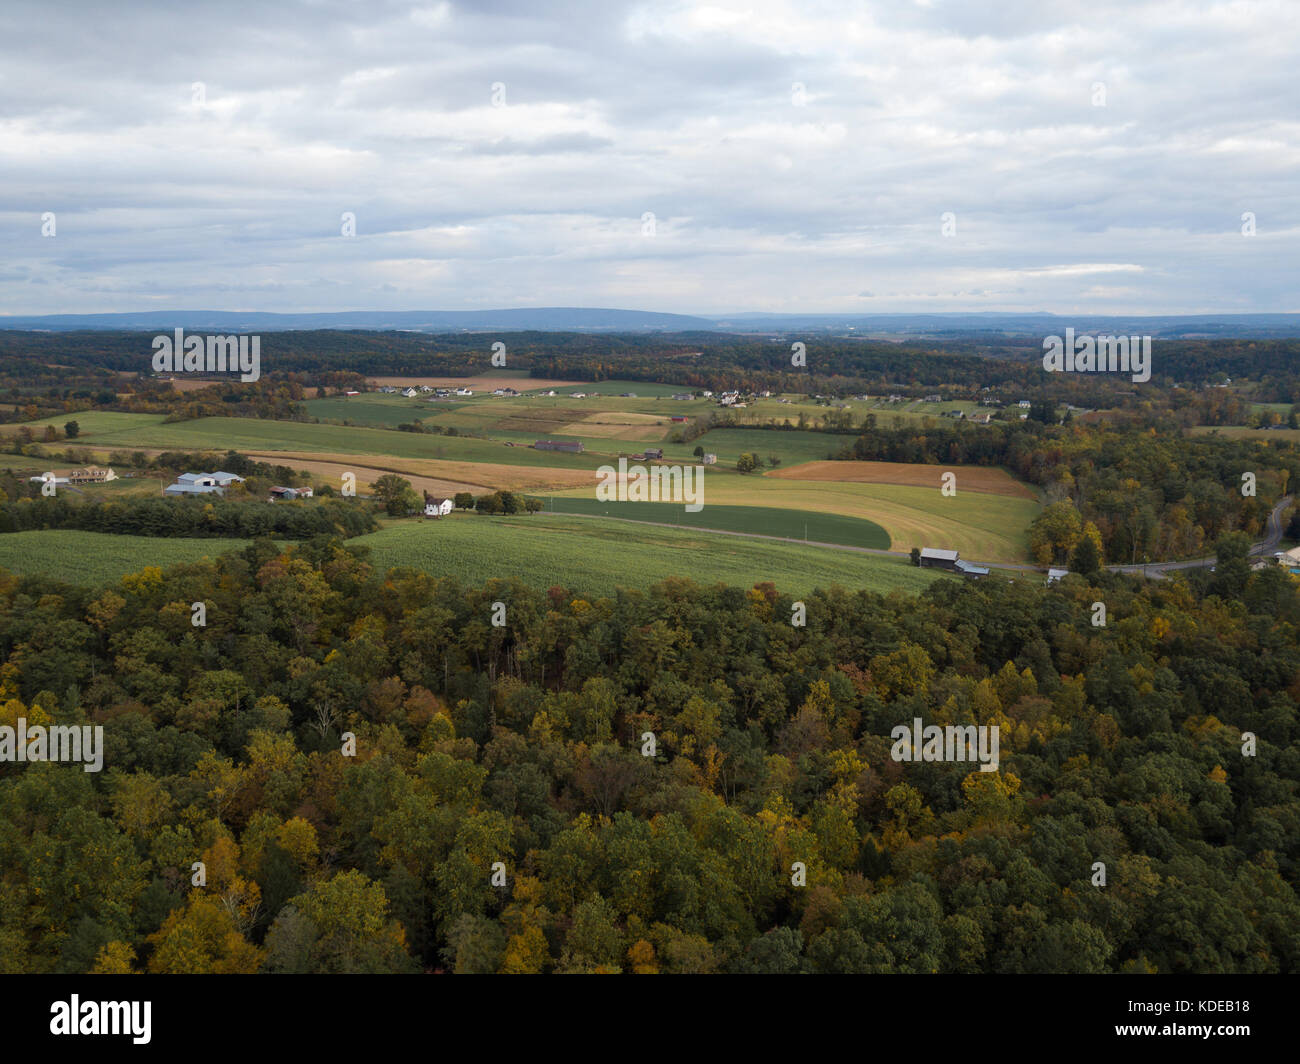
x: 410, y: 393
x: 436, y: 507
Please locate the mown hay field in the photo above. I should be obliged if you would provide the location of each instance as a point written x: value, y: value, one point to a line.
x: 989, y: 480
x: 982, y: 527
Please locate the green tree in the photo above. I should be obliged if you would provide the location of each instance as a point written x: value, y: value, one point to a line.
x: 395, y: 494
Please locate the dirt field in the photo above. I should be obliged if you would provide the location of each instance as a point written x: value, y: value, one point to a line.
x: 478, y: 384
x: 984, y: 480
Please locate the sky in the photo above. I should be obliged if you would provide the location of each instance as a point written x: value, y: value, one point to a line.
x: 710, y: 158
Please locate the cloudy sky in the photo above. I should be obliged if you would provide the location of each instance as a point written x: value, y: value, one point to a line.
x: 692, y: 157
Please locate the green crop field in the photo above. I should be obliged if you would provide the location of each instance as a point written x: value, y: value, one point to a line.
x: 594, y: 555
x: 92, y: 424
x: 791, y: 447
x: 254, y: 436
x: 95, y: 558
x: 374, y: 410
x: 758, y: 520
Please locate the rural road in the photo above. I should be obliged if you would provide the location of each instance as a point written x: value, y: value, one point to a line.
x: 1155, y: 570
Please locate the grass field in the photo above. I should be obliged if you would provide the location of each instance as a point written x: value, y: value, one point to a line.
x: 857, y: 503
x: 595, y: 556
x: 540, y: 550
x: 91, y: 423
x: 455, y: 476
x: 1239, y: 432
x: 250, y: 435
x: 791, y: 447
x: 983, y: 527
x: 760, y: 520
x: 988, y: 480
x: 371, y: 410
x: 95, y: 558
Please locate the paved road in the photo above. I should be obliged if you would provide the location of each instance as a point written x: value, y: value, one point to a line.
x: 1267, y: 545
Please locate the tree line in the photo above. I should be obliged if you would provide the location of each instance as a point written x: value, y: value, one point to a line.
x: 501, y: 809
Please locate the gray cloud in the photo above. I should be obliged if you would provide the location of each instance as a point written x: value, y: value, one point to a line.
x: 795, y: 155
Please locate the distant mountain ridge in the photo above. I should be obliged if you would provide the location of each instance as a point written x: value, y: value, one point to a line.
x: 596, y: 319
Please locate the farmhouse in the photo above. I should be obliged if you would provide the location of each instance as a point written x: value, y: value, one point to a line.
x: 1053, y: 575
x: 569, y: 446
x: 710, y: 459
x: 932, y: 558
x: 970, y: 569
x: 656, y: 452
x: 92, y: 475
x: 437, y: 508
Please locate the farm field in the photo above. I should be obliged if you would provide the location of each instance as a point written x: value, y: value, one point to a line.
x: 249, y: 435
x: 791, y: 447
x: 491, y: 379
x: 540, y: 550
x: 91, y: 559
x: 373, y: 410
x: 1238, y: 432
x: 989, y: 480
x: 448, y: 477
x: 760, y: 520
x: 983, y: 527
x: 596, y: 556
x: 91, y: 422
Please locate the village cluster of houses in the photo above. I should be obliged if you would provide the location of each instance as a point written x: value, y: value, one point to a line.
x: 415, y: 391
